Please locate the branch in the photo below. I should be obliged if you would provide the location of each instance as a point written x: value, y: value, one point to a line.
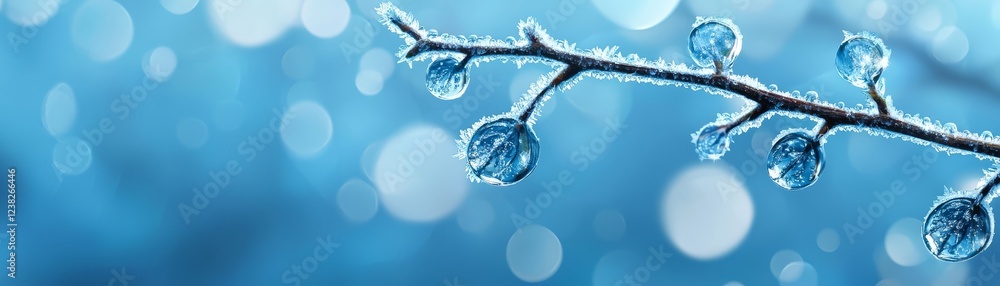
x: 536, y: 45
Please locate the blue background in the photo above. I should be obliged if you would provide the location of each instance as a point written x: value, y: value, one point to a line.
x: 121, y: 210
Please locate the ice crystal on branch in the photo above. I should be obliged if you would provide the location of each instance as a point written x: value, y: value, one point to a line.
x: 503, y: 149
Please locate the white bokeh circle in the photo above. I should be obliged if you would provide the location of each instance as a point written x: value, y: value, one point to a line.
x: 706, y: 212
x: 59, y: 109
x: 325, y: 18
x: 357, y: 200
x: 159, y: 63
x: 179, y: 7
x: 534, y: 253
x: 253, y: 23
x: 102, y: 29
x: 417, y: 177
x: 307, y: 128
x: 638, y: 14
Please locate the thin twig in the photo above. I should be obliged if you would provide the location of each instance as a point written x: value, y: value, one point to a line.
x: 769, y: 100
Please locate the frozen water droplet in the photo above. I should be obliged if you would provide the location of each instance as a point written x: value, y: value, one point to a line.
x: 958, y: 229
x: 795, y: 161
x: 987, y: 135
x: 715, y: 40
x: 711, y: 142
x: 503, y: 152
x: 950, y: 127
x: 796, y: 94
x: 445, y: 80
x: 811, y: 96
x: 773, y: 87
x: 861, y: 58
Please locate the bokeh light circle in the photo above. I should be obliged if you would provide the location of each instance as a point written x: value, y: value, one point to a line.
x: 59, y: 109
x: 534, y: 253
x: 325, y: 18
x: 307, y: 128
x: 417, y: 177
x: 159, y: 63
x: 179, y: 7
x: 253, y: 23
x: 192, y: 132
x: 706, y: 212
x: 357, y: 200
x: 102, y: 29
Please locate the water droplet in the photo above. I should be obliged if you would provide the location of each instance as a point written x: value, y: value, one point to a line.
x: 950, y: 127
x: 773, y: 87
x: 958, y: 229
x: 861, y: 58
x: 811, y: 96
x: 503, y: 152
x: 796, y: 94
x: 715, y: 40
x: 711, y: 142
x: 795, y: 161
x: 445, y: 80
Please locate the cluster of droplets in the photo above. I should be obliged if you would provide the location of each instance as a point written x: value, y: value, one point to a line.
x: 502, y: 150
x: 796, y: 159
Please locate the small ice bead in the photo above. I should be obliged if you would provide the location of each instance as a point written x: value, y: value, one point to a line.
x: 503, y: 152
x: 811, y: 96
x: 861, y: 58
x: 712, y: 142
x: 445, y: 80
x: 958, y: 229
x: 795, y: 161
x: 715, y: 40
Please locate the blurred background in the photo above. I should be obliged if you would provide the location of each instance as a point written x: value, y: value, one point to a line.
x: 253, y: 142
